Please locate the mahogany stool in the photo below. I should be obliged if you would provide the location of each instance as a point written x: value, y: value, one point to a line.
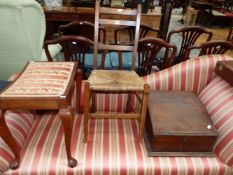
x: 42, y: 86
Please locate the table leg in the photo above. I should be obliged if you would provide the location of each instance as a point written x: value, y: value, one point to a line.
x: 67, y: 116
x: 10, y: 141
x: 86, y: 109
x: 144, y: 108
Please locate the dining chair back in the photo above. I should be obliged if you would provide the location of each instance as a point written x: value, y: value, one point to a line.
x: 148, y: 49
x: 189, y: 36
x: 211, y: 47
x: 74, y: 48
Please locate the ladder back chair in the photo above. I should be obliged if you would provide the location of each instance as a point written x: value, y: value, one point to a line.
x: 116, y: 81
x: 103, y: 21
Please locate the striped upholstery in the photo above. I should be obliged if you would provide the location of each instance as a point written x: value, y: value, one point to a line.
x: 218, y: 99
x: 111, y: 149
x: 19, y: 123
x: 192, y: 75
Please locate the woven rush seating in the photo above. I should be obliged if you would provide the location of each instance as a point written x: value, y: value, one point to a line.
x: 42, y: 86
x: 113, y: 80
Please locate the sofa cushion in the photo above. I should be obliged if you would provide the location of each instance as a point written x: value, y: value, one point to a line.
x: 112, y: 148
x: 218, y: 100
x: 19, y: 123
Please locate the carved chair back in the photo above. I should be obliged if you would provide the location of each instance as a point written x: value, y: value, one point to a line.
x: 74, y: 48
x: 130, y: 30
x: 82, y: 28
x: 211, y: 47
x: 189, y: 37
x: 148, y: 48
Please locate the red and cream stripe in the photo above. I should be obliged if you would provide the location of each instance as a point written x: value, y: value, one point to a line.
x: 218, y: 100
x: 19, y: 123
x: 112, y: 148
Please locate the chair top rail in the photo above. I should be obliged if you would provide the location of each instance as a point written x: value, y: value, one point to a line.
x: 117, y: 22
x: 128, y: 12
x: 115, y: 47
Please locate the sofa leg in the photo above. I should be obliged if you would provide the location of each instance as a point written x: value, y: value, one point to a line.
x: 10, y: 141
x: 67, y: 116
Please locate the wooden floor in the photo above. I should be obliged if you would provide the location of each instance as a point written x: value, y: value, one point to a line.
x: 218, y: 33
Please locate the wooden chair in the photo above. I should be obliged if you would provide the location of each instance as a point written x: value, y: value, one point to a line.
x: 82, y: 28
x: 115, y: 81
x: 230, y: 35
x: 85, y: 29
x: 128, y: 33
x: 148, y: 48
x: 211, y: 47
x: 144, y: 30
x: 74, y: 49
x: 189, y: 37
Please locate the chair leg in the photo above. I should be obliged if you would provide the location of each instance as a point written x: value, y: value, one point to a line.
x: 67, y: 116
x: 143, y: 112
x: 86, y: 109
x: 79, y: 76
x: 10, y: 141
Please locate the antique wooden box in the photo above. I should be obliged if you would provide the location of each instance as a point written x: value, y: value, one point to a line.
x: 178, y: 124
x: 225, y: 70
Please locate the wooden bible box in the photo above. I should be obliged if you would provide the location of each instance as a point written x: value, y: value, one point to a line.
x: 225, y: 70
x: 178, y: 124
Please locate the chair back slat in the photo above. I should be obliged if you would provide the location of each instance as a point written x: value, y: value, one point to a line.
x: 127, y: 12
x: 98, y: 20
x: 117, y: 22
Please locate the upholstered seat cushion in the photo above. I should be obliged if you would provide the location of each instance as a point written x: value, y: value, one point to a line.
x: 42, y: 79
x: 115, y: 80
x: 111, y: 149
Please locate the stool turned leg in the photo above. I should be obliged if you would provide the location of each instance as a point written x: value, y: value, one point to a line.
x: 86, y: 109
x: 144, y: 108
x: 67, y: 116
x: 10, y: 141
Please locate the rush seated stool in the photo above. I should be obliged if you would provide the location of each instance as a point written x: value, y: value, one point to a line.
x: 42, y: 86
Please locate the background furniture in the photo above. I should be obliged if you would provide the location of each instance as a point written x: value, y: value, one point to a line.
x: 189, y: 36
x: 22, y: 34
x: 56, y: 18
x: 148, y: 50
x: 210, y: 47
x: 74, y: 48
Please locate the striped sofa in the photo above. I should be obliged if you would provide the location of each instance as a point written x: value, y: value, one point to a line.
x: 112, y: 146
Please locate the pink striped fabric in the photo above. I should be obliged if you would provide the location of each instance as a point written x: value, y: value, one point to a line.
x: 218, y: 99
x: 112, y: 148
x: 192, y: 75
x: 19, y: 123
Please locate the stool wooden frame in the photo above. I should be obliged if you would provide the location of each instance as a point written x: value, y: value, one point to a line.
x: 61, y: 103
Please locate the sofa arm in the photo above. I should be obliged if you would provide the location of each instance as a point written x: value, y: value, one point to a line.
x: 192, y: 75
x: 19, y: 123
